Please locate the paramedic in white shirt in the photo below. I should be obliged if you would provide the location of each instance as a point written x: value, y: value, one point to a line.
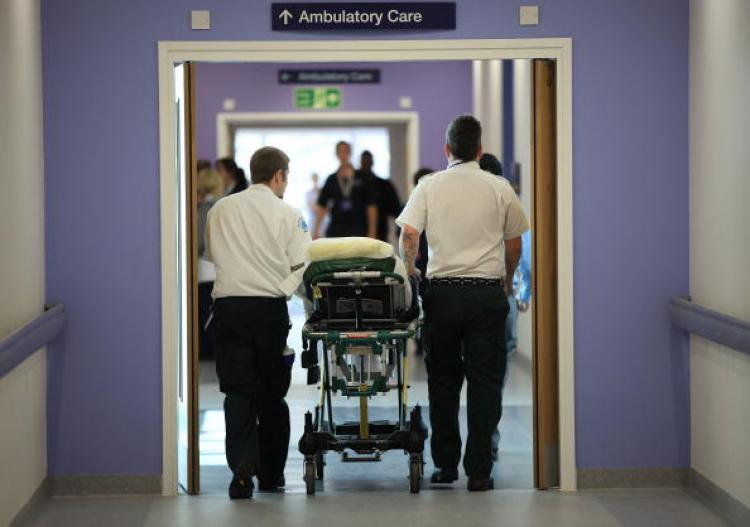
x: 258, y: 244
x: 474, y: 222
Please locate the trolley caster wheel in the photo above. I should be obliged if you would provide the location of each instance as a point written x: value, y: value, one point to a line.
x: 417, y: 431
x: 320, y: 463
x: 309, y: 477
x: 415, y: 474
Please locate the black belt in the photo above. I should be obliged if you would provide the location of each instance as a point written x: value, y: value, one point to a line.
x: 466, y: 280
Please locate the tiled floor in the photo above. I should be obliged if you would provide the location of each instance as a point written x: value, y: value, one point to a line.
x: 377, y: 507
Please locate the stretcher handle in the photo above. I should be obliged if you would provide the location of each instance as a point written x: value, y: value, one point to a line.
x: 357, y: 336
x: 357, y: 275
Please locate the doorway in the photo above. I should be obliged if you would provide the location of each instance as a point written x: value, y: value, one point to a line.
x: 559, y: 50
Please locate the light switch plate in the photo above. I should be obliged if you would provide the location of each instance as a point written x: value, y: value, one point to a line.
x: 200, y: 19
x: 229, y: 105
x: 404, y: 102
x: 529, y: 15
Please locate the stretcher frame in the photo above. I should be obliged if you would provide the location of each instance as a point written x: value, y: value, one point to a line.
x: 366, y: 439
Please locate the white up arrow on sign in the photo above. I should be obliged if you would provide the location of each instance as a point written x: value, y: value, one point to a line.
x: 285, y: 16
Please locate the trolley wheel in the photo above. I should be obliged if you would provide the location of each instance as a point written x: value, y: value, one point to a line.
x: 320, y: 463
x: 415, y: 474
x: 309, y: 477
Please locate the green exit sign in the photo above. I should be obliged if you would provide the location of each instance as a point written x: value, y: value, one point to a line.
x: 317, y: 98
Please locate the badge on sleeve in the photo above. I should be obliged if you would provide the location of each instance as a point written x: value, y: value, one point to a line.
x: 302, y: 224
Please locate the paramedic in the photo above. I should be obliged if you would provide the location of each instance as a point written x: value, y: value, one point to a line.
x: 474, y: 224
x: 258, y: 244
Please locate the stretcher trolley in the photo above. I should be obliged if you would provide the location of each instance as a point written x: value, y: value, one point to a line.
x: 354, y: 345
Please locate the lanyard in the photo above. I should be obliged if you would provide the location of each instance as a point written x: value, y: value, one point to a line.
x: 456, y: 163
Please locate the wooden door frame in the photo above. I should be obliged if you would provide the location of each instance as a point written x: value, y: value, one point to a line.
x: 192, y: 293
x: 173, y: 52
x: 544, y: 275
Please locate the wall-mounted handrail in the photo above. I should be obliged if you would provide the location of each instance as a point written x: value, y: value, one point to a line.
x: 15, y: 348
x: 712, y: 325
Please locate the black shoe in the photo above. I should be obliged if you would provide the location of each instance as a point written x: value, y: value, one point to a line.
x: 241, y: 488
x: 480, y: 484
x: 444, y: 476
x: 265, y: 487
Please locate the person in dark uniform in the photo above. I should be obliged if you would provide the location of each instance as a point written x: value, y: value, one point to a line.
x: 386, y: 197
x: 258, y: 244
x: 474, y: 224
x: 232, y: 175
x: 422, y: 256
x: 349, y: 198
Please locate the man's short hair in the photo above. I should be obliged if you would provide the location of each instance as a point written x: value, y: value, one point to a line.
x: 343, y: 143
x: 365, y: 153
x: 464, y: 137
x: 266, y: 162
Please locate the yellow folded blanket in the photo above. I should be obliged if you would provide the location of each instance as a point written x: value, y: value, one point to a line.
x: 356, y: 247
x: 351, y: 247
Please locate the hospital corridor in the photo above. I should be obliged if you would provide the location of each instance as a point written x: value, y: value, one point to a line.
x: 474, y: 263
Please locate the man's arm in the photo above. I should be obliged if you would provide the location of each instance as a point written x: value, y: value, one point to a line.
x: 296, y: 251
x: 408, y: 244
x: 512, y: 255
x: 372, y: 221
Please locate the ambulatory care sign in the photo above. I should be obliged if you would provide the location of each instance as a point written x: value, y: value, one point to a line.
x: 315, y: 16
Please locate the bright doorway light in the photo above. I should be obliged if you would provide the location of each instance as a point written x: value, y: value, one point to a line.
x: 311, y: 150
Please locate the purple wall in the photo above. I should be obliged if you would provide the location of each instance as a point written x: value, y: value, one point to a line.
x: 255, y: 88
x: 102, y: 214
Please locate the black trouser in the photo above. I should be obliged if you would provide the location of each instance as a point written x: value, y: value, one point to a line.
x: 250, y: 335
x: 464, y: 336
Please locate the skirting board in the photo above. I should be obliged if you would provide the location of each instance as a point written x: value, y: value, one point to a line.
x: 620, y: 478
x: 28, y: 512
x: 104, y: 485
x: 717, y: 499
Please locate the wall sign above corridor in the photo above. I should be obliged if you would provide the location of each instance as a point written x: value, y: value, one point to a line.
x: 317, y: 16
x: 369, y: 76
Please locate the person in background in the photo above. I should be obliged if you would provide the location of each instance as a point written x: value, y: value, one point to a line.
x: 311, y: 198
x: 474, y: 224
x: 422, y: 255
x: 209, y: 189
x: 233, y: 176
x: 203, y: 164
x: 520, y: 295
x: 259, y: 246
x: 386, y: 197
x: 349, y: 200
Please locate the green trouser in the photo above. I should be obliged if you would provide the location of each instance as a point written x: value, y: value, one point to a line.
x: 464, y: 336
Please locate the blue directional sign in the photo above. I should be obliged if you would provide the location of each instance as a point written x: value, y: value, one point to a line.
x: 318, y: 16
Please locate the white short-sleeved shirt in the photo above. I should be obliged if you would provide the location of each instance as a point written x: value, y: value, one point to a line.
x: 255, y: 240
x: 467, y: 214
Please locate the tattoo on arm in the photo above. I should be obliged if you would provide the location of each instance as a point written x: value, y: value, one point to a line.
x: 409, y: 246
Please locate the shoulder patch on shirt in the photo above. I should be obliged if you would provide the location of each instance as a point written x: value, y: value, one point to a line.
x: 302, y: 224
